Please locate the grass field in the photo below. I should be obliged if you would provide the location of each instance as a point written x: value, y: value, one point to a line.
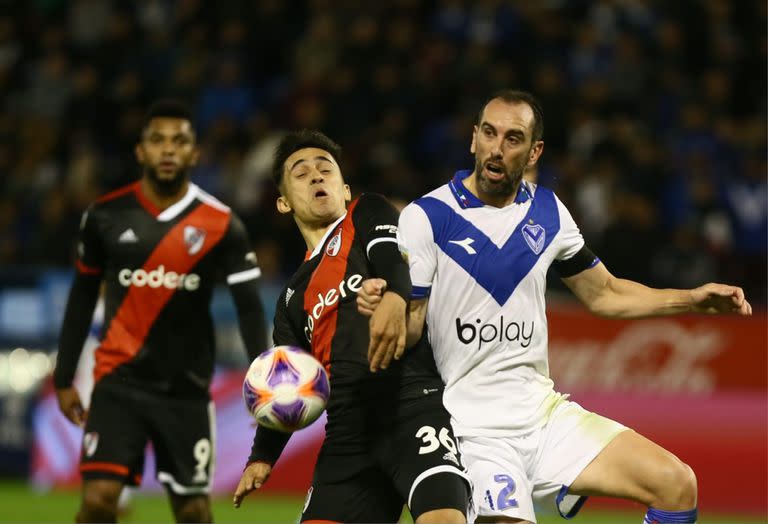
x: 19, y: 504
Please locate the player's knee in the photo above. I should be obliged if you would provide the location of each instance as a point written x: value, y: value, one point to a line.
x: 442, y: 516
x: 192, y: 509
x: 678, y: 489
x: 98, y: 506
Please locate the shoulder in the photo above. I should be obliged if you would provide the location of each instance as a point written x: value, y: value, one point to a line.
x: 116, y: 198
x: 436, y: 207
x: 211, y: 201
x: 371, y: 203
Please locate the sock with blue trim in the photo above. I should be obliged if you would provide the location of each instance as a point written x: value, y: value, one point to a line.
x: 658, y: 516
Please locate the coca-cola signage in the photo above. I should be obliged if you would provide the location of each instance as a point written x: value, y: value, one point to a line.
x: 690, y: 354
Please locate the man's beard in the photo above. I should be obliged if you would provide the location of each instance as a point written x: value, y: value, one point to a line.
x: 163, y: 186
x: 502, y: 188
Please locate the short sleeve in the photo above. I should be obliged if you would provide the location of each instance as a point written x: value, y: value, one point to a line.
x: 239, y: 262
x: 90, y: 248
x: 570, y: 240
x: 418, y: 247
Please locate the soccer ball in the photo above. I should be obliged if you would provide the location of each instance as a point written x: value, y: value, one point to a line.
x: 285, y: 389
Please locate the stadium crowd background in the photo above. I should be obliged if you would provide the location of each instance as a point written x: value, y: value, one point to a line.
x: 655, y: 113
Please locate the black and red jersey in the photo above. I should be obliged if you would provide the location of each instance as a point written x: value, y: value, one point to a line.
x: 318, y: 312
x: 159, y: 269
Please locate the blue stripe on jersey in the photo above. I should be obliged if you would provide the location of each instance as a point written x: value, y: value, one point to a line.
x: 420, y: 291
x: 497, y: 270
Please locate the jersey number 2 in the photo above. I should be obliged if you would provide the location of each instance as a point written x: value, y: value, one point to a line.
x: 505, y: 499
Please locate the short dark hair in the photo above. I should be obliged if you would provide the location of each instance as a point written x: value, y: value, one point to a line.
x: 514, y: 96
x: 168, y: 108
x: 297, y: 140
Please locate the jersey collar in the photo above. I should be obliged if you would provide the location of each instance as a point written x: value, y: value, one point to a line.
x: 467, y: 199
x: 170, y: 212
x: 320, y: 244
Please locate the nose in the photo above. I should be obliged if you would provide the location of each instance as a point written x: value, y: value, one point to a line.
x: 497, y: 146
x: 317, y: 176
x: 169, y: 148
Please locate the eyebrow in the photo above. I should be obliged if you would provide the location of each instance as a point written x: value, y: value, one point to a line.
x: 299, y: 161
x: 511, y: 132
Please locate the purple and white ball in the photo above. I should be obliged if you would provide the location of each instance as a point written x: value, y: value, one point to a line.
x: 285, y: 388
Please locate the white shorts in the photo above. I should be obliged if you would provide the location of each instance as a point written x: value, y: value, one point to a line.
x: 511, y: 474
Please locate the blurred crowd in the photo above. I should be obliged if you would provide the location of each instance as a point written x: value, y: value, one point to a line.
x: 655, y: 112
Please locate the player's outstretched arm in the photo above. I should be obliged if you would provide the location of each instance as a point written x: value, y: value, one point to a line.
x: 254, y: 476
x: 608, y: 296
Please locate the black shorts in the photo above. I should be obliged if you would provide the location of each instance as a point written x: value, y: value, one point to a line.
x: 373, y: 486
x: 120, y: 423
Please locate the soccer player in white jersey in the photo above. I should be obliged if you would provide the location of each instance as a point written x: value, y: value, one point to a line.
x: 479, y: 248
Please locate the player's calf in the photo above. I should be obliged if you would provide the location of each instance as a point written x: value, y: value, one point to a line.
x: 191, y: 508
x: 99, y: 501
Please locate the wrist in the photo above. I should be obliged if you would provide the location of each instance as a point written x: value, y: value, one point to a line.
x: 251, y: 462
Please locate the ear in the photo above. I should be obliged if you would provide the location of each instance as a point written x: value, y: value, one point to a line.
x: 195, y: 157
x: 535, y: 153
x: 139, y: 152
x: 283, y: 206
x: 347, y: 193
x: 473, y: 147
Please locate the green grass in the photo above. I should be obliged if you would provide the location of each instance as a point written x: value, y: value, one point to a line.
x: 19, y: 504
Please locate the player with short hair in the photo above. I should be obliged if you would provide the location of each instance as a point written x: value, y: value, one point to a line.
x: 479, y: 249
x: 159, y: 246
x: 388, y: 437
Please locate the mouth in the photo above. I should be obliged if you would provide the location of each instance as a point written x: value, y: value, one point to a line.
x: 494, y: 171
x: 167, y: 166
x: 320, y: 193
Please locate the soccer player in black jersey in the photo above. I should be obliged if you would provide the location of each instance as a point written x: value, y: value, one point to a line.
x: 158, y: 246
x: 388, y: 437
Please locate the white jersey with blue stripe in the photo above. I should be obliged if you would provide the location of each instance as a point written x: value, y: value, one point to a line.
x: 484, y: 270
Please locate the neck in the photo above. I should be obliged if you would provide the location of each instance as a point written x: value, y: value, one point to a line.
x: 160, y: 199
x: 489, y: 199
x: 314, y: 233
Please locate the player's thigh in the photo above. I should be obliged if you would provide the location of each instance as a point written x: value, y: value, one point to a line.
x: 502, y: 490
x: 423, y: 459
x: 114, y: 437
x: 631, y: 466
x: 569, y: 443
x: 350, y: 488
x: 183, y: 437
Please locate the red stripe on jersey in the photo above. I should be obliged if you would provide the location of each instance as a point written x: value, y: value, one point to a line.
x: 118, y: 193
x: 325, y: 286
x: 141, y: 305
x: 86, y: 270
x: 151, y: 208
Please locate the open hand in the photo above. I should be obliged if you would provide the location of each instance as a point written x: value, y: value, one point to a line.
x: 254, y: 476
